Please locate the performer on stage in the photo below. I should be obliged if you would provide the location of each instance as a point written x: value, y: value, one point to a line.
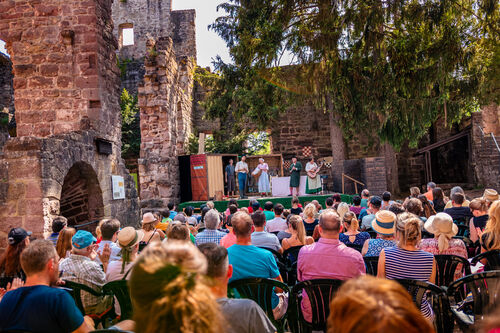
x: 313, y: 183
x: 264, y: 187
x: 295, y: 176
x: 230, y: 178
x: 242, y: 169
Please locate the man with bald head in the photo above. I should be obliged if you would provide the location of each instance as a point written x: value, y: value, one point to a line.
x: 328, y: 258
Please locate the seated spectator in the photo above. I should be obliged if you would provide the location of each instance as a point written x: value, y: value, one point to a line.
x: 232, y: 202
x: 204, y: 211
x: 337, y: 199
x: 429, y: 194
x: 490, y: 239
x: 406, y: 261
x: 297, y: 234
x: 151, y: 234
x: 37, y: 307
x: 318, y: 207
x: 230, y: 238
x: 250, y: 317
x: 268, y: 210
x: 328, y: 258
x: 188, y: 211
x: 427, y: 207
x: 479, y: 209
x: 414, y: 206
x: 278, y: 223
x: 386, y: 200
x: 178, y: 231
x: 328, y: 204
x: 262, y: 238
x: 169, y: 293
x: 383, y: 225
x: 458, y: 211
x: 454, y: 190
x: 210, y: 204
x: 374, y: 206
x: 397, y: 208
x: 250, y: 261
x: 109, y: 232
x: 10, y: 262
x: 58, y: 224
x: 63, y: 246
x: 128, y: 240
x: 296, y: 208
x: 442, y: 227
x: 286, y: 234
x: 171, y: 208
x: 351, y: 234
x: 210, y: 234
x: 365, y: 198
x: 356, y: 205
x: 368, y: 305
x: 80, y: 267
x: 232, y: 210
x: 164, y: 221
x: 490, y: 195
x: 342, y: 209
x: 309, y: 219
x: 439, y: 199
x: 254, y: 206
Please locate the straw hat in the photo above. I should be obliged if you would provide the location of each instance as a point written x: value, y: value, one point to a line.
x: 128, y: 237
x: 490, y: 195
x: 383, y: 223
x: 148, y: 218
x: 441, y: 223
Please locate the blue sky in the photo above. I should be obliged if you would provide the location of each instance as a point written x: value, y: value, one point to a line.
x: 209, y: 44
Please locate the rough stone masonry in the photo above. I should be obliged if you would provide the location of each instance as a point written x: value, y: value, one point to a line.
x: 66, y: 97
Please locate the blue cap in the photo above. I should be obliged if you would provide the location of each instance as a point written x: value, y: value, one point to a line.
x: 82, y: 239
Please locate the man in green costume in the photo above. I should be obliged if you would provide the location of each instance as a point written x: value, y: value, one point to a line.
x: 295, y: 168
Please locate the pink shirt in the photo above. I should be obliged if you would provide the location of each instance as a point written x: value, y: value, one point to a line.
x: 228, y: 240
x: 327, y: 259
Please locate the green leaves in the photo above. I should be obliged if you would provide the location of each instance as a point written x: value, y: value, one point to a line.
x: 131, y: 131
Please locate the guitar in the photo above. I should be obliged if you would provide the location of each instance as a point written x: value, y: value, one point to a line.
x: 314, y: 172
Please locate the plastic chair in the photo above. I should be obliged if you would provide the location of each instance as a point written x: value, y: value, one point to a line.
x: 357, y: 247
x: 261, y: 291
x: 446, y: 266
x: 473, y: 297
x: 492, y: 257
x: 371, y: 264
x: 290, y: 257
x: 436, y: 297
x: 320, y: 293
x: 120, y: 290
x: 76, y: 292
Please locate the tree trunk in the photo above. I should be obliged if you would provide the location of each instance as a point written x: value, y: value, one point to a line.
x: 391, y: 168
x: 338, y: 148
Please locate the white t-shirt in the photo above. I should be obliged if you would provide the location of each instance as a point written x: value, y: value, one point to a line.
x: 276, y: 224
x: 241, y: 167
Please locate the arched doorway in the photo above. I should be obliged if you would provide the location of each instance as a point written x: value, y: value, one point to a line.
x: 81, y: 196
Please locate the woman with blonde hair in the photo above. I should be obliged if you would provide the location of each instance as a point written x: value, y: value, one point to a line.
x: 352, y: 235
x: 298, y: 232
x: 371, y: 305
x: 490, y: 239
x: 169, y: 293
x: 309, y: 218
x: 63, y: 246
x: 342, y: 209
x: 406, y: 261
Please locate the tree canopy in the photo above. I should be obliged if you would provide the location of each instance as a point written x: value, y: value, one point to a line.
x: 389, y: 66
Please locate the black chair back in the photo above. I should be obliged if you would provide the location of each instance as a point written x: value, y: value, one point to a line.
x: 320, y: 293
x: 290, y: 257
x: 292, y: 254
x: 355, y: 246
x: 120, y: 290
x: 261, y: 291
x: 446, y: 266
x: 474, y: 297
x: 436, y: 297
x: 371, y: 264
x: 492, y: 260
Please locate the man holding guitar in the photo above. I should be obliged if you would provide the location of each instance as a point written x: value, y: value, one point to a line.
x: 313, y: 183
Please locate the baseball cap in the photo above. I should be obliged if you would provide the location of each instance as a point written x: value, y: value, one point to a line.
x: 82, y: 239
x: 17, y: 235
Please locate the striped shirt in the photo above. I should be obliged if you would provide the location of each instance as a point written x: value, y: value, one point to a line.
x: 415, y: 265
x: 209, y: 236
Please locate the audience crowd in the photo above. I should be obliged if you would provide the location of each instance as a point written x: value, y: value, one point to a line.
x: 178, y: 264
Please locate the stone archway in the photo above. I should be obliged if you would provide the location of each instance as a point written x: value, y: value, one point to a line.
x: 81, y: 196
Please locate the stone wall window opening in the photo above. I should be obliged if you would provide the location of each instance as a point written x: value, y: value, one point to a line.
x: 81, y: 196
x: 126, y: 34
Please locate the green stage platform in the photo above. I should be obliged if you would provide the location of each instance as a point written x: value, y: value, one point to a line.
x: 285, y: 201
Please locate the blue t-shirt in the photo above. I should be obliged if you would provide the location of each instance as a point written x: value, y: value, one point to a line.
x: 172, y: 214
x: 250, y: 261
x: 39, y: 309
